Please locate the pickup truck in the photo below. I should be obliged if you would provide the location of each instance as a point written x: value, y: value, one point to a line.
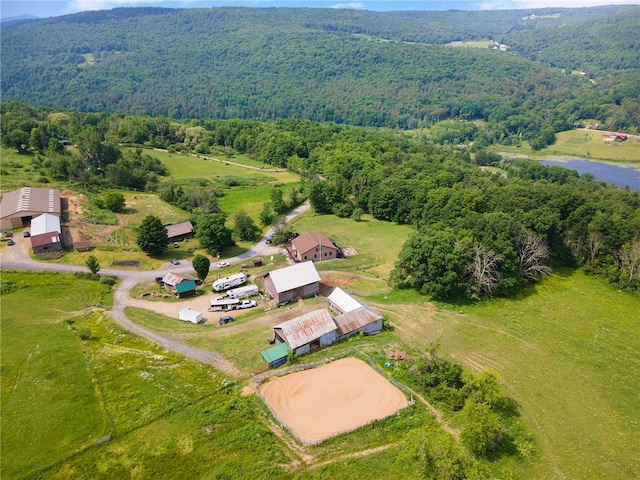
x: 246, y: 304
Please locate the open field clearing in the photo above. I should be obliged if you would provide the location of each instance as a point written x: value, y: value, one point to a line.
x: 567, y: 353
x: 587, y: 144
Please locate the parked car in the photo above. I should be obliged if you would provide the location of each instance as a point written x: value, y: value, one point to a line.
x: 10, y: 242
x: 8, y: 234
x: 285, y: 303
x: 268, y: 240
x: 226, y: 319
x: 159, y: 280
x: 26, y: 234
x: 173, y: 261
x: 176, y: 245
x: 223, y: 264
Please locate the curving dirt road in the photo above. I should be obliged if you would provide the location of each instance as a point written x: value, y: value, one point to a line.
x: 17, y: 258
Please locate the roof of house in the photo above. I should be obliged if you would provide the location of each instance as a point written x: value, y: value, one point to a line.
x: 30, y: 199
x: 295, y: 276
x: 343, y: 300
x: 174, y: 279
x: 44, y: 239
x: 185, y: 286
x: 275, y: 353
x: 45, y: 223
x: 178, y: 229
x: 306, y: 328
x: 355, y: 319
x: 310, y: 240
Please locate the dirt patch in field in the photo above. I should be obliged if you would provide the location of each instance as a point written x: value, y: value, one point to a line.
x: 338, y: 397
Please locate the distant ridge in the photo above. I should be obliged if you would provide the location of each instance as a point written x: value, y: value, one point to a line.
x: 18, y: 18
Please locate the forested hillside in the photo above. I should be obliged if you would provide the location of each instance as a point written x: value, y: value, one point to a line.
x: 353, y: 67
x: 479, y: 234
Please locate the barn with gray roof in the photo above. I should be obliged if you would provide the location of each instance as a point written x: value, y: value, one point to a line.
x: 290, y: 283
x: 18, y: 207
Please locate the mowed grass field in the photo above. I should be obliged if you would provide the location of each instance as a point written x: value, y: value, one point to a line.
x: 587, y: 144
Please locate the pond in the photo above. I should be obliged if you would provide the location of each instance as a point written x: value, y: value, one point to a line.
x: 620, y: 176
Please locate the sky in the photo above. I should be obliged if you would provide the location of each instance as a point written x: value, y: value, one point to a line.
x: 52, y: 8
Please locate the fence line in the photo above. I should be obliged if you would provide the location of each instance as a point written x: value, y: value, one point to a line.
x: 259, y: 379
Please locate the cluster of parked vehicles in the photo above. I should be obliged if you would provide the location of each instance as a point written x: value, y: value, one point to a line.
x: 234, y: 298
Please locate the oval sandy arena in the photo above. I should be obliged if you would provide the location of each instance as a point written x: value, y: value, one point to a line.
x: 338, y: 397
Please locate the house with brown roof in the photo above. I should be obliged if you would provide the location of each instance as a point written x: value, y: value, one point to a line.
x: 18, y: 207
x: 46, y: 242
x: 313, y: 246
x: 179, y: 231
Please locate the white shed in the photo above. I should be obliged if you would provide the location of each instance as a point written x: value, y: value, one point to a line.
x: 188, y: 315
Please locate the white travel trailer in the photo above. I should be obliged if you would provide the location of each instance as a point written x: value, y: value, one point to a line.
x: 243, y: 292
x: 231, y: 281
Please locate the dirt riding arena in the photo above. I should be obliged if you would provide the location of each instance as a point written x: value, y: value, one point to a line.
x: 341, y: 396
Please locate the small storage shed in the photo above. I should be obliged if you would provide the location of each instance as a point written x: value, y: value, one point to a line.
x: 186, y: 288
x: 312, y: 330
x: 290, y: 283
x: 188, y: 315
x: 276, y: 356
x: 46, y: 242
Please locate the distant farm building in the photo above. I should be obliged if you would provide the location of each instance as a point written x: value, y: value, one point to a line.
x: 45, y: 234
x: 313, y: 246
x: 179, y: 231
x: 20, y: 206
x: 310, y: 331
x: 291, y: 283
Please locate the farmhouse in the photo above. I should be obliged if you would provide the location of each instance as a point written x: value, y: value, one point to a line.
x: 290, y: 283
x: 179, y: 231
x: 20, y: 206
x: 302, y: 334
x: 313, y: 246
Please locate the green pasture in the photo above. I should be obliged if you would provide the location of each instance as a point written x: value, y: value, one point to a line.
x: 586, y: 144
x: 47, y: 388
x: 17, y: 170
x: 377, y: 243
x: 567, y: 353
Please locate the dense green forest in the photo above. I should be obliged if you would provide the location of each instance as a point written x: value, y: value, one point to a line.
x: 478, y: 233
x: 349, y: 67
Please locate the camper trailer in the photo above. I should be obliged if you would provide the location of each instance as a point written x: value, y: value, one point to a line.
x: 223, y: 305
x: 243, y: 292
x: 231, y: 281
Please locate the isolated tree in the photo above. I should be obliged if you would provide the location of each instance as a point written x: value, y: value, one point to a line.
x: 534, y: 255
x: 152, y: 235
x: 482, y: 430
x: 483, y: 274
x: 113, y: 201
x: 212, y: 233
x: 277, y: 201
x: 92, y: 264
x: 201, y: 265
x: 266, y: 215
x: 244, y: 226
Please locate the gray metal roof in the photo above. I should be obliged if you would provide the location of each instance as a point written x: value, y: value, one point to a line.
x: 295, y: 276
x: 184, y: 228
x: 355, y: 319
x: 306, y: 328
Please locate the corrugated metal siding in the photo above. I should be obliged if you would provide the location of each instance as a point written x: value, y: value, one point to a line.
x: 306, y: 328
x: 356, y: 320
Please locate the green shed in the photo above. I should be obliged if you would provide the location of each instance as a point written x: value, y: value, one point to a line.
x: 276, y: 356
x: 186, y: 288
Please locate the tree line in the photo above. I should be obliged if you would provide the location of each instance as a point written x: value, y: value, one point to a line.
x: 478, y: 233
